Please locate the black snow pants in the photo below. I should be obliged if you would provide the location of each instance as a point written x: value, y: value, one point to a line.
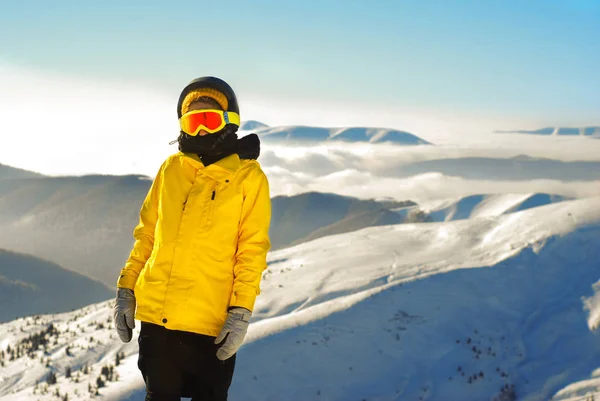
x: 177, y: 364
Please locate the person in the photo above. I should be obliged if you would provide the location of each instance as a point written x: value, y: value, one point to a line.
x: 200, y: 248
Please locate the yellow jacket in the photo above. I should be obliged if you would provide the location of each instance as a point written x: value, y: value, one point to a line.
x: 201, y: 244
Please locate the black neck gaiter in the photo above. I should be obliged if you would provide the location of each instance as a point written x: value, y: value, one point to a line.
x: 210, y: 148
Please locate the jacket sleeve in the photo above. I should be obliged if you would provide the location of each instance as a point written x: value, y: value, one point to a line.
x: 253, y: 241
x: 143, y: 235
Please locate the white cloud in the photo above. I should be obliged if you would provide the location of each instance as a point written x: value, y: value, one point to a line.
x: 61, y: 125
x: 57, y: 125
x: 64, y: 125
x: 374, y: 171
x: 421, y: 188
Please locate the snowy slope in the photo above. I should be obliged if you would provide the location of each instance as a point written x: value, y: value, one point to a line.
x: 485, y: 205
x: 584, y: 390
x: 587, y: 389
x: 389, y: 313
x: 397, y: 339
x: 83, y: 341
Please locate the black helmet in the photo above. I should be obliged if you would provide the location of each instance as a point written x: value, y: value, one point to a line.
x: 211, y: 83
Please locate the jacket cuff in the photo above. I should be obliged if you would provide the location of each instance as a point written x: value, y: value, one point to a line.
x: 243, y: 301
x: 126, y: 282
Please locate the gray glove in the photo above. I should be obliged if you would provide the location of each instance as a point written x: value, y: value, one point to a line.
x: 233, y: 332
x: 124, y: 313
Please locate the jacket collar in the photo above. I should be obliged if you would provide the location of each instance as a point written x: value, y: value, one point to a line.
x: 221, y: 170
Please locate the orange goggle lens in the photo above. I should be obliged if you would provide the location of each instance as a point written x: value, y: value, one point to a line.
x: 209, y: 120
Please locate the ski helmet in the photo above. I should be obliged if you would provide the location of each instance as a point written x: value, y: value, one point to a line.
x: 210, y: 83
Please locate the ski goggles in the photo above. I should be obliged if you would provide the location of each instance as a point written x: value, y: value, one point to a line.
x: 209, y: 120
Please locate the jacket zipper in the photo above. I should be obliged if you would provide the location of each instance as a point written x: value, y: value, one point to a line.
x: 211, y: 208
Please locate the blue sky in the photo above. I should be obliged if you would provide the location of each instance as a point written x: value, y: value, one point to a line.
x: 536, y: 60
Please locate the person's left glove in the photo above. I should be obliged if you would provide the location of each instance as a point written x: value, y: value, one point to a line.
x: 124, y: 312
x: 233, y: 332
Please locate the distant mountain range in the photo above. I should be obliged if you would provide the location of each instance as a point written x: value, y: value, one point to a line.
x: 560, y: 131
x: 312, y: 215
x: 305, y: 134
x: 32, y: 286
x: 85, y: 223
x: 7, y: 172
x: 519, y: 168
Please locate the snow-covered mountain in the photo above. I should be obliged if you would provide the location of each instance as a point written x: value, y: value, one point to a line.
x: 306, y: 134
x: 584, y: 390
x: 489, y: 308
x: 252, y: 125
x: 569, y: 131
x: 32, y: 286
x: 479, y: 206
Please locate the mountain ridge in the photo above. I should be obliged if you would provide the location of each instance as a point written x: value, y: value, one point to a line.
x: 8, y: 172
x: 308, y: 134
x: 557, y: 131
x: 32, y: 286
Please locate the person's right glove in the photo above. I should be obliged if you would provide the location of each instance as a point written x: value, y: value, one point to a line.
x: 124, y: 313
x: 233, y: 332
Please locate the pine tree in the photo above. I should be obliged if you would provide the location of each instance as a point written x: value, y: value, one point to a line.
x: 51, y: 378
x: 68, y: 372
